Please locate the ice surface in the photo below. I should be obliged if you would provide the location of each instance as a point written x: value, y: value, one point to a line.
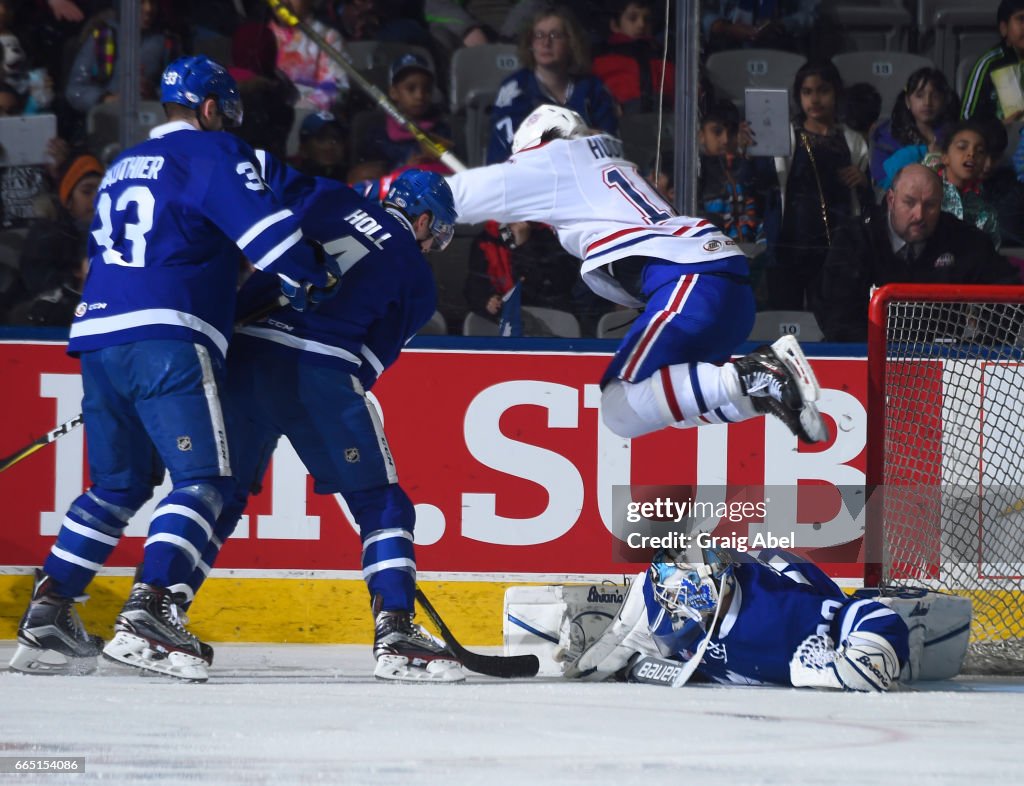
x: 313, y: 714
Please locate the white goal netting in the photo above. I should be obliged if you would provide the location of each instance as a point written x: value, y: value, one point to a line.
x: 951, y: 459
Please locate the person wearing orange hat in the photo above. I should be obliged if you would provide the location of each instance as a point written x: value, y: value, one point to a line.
x: 51, y: 258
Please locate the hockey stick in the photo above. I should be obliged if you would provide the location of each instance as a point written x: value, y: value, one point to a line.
x: 505, y: 666
x: 652, y: 670
x: 68, y: 426
x: 40, y: 442
x: 287, y: 17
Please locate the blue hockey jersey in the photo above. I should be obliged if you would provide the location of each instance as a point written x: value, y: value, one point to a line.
x: 521, y: 93
x: 770, y: 614
x: 386, y: 293
x: 173, y: 216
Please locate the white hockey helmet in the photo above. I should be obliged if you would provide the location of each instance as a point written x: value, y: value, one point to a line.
x: 545, y: 118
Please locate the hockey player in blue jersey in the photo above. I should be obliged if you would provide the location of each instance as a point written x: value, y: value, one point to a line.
x: 305, y: 376
x: 774, y: 620
x: 174, y: 214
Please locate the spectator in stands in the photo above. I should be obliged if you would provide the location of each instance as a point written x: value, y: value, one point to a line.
x: 268, y: 95
x: 96, y: 74
x: 323, y: 147
x: 630, y: 62
x: 384, y: 139
x: 981, y: 100
x: 822, y: 183
x: 268, y: 116
x: 24, y: 187
x: 52, y: 253
x: 547, y: 275
x: 523, y: 12
x: 322, y: 83
x: 962, y: 165
x: 660, y: 172
x: 398, y: 21
x: 452, y: 26
x: 554, y: 53
x: 907, y: 238
x: 725, y: 190
x: 13, y: 61
x: 53, y: 307
x: 766, y: 24
x: 10, y: 101
x: 923, y: 113
x: 862, y: 106
x: 1000, y: 188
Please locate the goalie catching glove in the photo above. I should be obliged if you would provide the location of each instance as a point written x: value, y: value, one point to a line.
x: 864, y: 662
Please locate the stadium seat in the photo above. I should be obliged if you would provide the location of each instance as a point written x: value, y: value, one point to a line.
x: 365, y: 55
x: 950, y: 31
x: 450, y: 268
x: 539, y: 321
x: 292, y: 145
x: 769, y: 325
x: 733, y: 71
x: 476, y: 74
x: 373, y: 59
x: 11, y: 241
x: 615, y: 324
x: 639, y: 134
x: 476, y: 125
x: 477, y: 68
x: 435, y: 327
x: 475, y: 325
x: 887, y: 71
x: 865, y: 26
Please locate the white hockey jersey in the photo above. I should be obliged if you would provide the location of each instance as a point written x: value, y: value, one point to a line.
x: 598, y: 203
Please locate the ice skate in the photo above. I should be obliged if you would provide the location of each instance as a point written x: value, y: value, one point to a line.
x: 405, y: 652
x: 150, y: 634
x: 780, y: 382
x: 51, y: 637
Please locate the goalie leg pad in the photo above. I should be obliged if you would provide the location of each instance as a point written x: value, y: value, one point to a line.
x: 627, y: 635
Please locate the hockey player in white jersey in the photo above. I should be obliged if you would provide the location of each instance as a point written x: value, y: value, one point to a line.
x: 689, y: 279
x: 174, y: 214
x: 737, y: 619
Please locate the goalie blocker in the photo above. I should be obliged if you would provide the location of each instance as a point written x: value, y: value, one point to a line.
x: 608, y: 626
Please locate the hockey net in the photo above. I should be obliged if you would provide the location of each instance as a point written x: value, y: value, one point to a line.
x: 946, y: 455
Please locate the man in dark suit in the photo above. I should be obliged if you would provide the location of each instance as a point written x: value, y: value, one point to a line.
x: 905, y: 239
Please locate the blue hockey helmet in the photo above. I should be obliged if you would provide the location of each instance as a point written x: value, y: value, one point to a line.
x: 191, y: 80
x: 417, y: 191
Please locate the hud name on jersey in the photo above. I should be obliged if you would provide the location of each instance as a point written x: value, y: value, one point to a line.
x: 605, y: 147
x: 133, y: 168
x: 366, y: 224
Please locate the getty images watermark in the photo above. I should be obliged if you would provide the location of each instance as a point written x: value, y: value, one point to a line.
x: 686, y: 519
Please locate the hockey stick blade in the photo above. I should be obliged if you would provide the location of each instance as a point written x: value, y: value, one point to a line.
x: 505, y: 666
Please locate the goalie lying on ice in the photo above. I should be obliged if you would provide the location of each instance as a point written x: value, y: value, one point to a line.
x: 779, y: 623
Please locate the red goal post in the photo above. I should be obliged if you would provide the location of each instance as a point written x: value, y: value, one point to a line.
x: 945, y: 454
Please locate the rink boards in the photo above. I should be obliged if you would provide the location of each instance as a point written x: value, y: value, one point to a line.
x: 503, y: 453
